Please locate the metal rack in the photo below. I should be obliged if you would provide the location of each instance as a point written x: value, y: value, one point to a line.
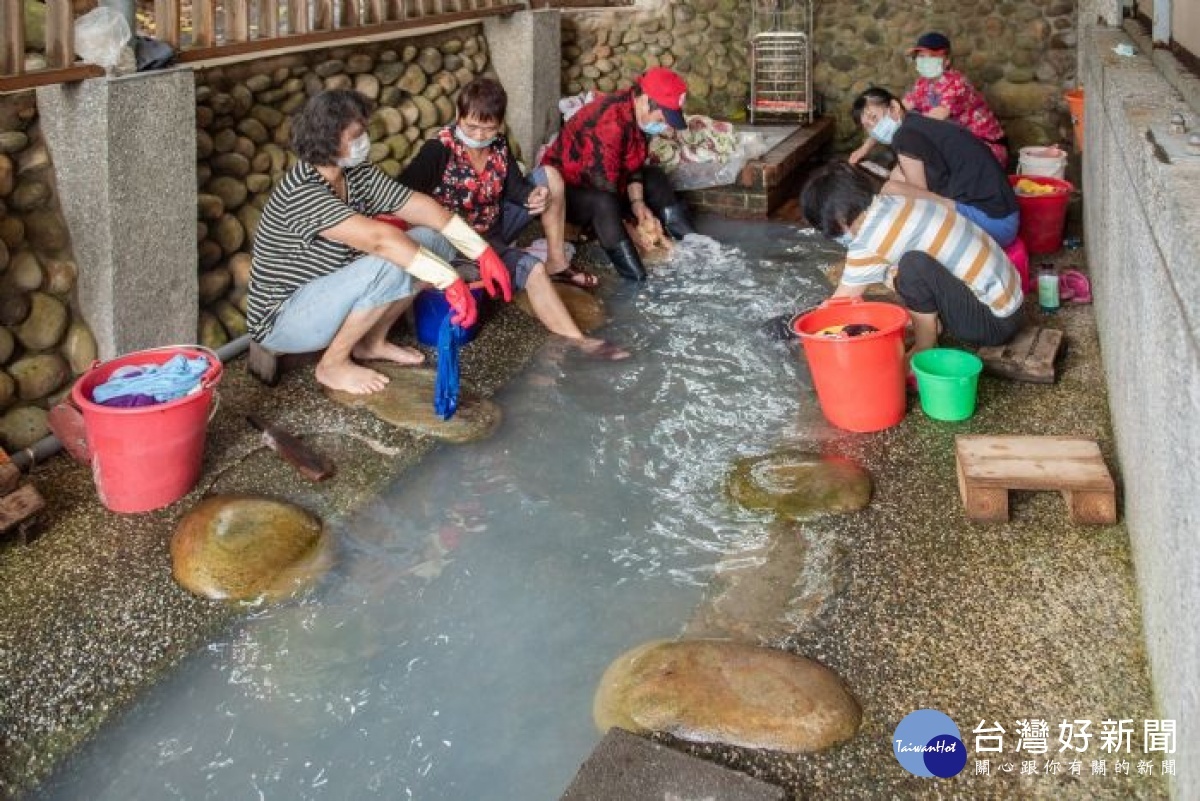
x: 781, y: 59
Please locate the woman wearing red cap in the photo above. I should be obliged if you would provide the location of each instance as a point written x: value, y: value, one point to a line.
x: 601, y: 154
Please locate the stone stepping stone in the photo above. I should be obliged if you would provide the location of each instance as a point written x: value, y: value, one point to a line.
x: 798, y: 485
x: 585, y: 308
x: 407, y: 402
x: 718, y: 691
x: 244, y: 547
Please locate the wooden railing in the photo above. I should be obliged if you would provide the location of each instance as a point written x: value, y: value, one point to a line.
x: 226, y: 28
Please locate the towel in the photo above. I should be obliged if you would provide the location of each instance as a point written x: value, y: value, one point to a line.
x: 164, y: 382
x: 445, y: 387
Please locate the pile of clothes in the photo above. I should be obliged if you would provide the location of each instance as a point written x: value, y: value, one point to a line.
x: 150, y: 384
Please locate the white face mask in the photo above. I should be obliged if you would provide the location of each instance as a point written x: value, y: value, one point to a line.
x: 360, y: 148
x: 475, y: 144
x: 930, y: 67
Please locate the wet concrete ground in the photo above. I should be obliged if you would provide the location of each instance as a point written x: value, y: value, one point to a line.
x: 1037, y: 618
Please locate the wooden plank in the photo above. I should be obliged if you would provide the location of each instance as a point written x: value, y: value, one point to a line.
x: 297, y: 11
x: 268, y: 19
x: 32, y: 80
x: 323, y: 15
x: 60, y: 34
x: 376, y: 11
x: 1041, y: 474
x: 237, y: 20
x: 348, y: 16
x: 986, y: 446
x: 1030, y: 356
x: 1092, y: 508
x: 166, y: 21
x: 984, y: 505
x: 19, y: 507
x: 204, y: 23
x: 12, y: 40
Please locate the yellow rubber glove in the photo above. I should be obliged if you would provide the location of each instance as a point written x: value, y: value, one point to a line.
x: 430, y: 268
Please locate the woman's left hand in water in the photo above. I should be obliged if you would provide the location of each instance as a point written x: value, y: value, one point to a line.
x: 536, y: 203
x: 494, y: 275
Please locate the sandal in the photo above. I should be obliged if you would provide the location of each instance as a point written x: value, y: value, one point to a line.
x: 576, y: 276
x: 1075, y: 287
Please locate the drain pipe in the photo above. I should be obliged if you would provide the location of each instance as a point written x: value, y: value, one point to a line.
x: 49, y: 445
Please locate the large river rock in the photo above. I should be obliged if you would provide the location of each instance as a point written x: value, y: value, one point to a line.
x: 242, y: 548
x: 797, y: 484
x: 727, y: 692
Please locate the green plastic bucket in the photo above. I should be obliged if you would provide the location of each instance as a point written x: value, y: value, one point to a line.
x: 947, y: 381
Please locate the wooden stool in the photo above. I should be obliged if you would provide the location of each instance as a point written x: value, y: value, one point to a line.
x: 263, y: 364
x: 1029, y: 357
x: 988, y: 467
x: 20, y: 503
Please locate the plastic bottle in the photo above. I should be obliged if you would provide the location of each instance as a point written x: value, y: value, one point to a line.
x: 1047, y: 285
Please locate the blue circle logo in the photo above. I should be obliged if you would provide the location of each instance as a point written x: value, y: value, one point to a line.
x: 927, y: 743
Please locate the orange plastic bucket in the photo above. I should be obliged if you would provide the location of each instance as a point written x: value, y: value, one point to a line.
x: 1043, y: 216
x: 859, y: 380
x: 146, y: 457
x: 1074, y: 100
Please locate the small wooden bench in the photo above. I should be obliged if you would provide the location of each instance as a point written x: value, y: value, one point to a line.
x: 988, y: 467
x: 1030, y: 356
x: 263, y: 364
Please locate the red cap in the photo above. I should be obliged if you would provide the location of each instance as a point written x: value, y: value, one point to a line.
x: 668, y: 90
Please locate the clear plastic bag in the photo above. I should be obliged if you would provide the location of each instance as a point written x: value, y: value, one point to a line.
x: 99, y: 36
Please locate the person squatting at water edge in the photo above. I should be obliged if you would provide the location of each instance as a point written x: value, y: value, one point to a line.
x: 950, y: 274
x: 327, y: 275
x: 469, y: 168
x: 944, y: 93
x: 942, y: 158
x: 601, y: 154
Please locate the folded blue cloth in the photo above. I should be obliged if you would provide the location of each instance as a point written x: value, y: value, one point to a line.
x: 163, y: 382
x: 445, y: 388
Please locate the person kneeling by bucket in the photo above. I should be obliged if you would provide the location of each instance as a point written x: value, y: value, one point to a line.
x: 949, y: 273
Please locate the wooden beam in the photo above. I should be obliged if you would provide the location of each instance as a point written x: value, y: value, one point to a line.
x: 12, y: 37
x: 166, y: 21
x: 32, y: 80
x: 268, y: 19
x: 60, y: 34
x: 237, y: 20
x: 260, y: 47
x: 375, y: 12
x: 204, y: 23
x: 323, y: 18
x: 298, y: 22
x: 348, y: 16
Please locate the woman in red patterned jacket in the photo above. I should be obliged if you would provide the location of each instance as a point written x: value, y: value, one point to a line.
x: 601, y: 154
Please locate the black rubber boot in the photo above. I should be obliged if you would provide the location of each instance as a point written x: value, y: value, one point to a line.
x: 627, y: 261
x: 675, y: 220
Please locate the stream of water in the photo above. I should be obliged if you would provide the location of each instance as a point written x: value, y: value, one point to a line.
x: 454, y: 651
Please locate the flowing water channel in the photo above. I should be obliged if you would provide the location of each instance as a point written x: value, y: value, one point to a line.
x: 454, y: 651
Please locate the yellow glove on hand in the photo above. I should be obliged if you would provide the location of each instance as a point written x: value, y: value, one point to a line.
x: 464, y: 238
x: 430, y: 268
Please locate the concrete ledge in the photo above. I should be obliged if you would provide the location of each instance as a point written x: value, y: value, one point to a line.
x: 1142, y: 216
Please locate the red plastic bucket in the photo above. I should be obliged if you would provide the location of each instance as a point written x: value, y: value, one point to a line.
x: 859, y: 380
x: 146, y: 457
x: 1043, y: 216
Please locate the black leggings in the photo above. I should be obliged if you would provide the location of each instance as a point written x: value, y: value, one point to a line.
x: 603, y: 211
x: 927, y: 286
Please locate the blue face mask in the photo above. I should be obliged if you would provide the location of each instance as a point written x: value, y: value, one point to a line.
x: 845, y: 239
x: 469, y: 142
x: 885, y: 129
x: 654, y: 128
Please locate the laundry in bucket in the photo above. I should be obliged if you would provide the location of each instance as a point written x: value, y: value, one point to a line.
x: 175, y: 378
x: 848, y: 330
x: 445, y: 387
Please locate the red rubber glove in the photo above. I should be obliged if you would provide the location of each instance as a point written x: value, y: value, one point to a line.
x: 494, y: 274
x: 462, y: 304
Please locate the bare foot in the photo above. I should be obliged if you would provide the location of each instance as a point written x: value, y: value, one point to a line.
x: 350, y: 377
x: 389, y: 352
x: 600, y: 349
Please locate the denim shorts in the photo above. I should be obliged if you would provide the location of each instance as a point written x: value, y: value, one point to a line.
x: 1002, y: 229
x: 513, y: 219
x: 312, y: 316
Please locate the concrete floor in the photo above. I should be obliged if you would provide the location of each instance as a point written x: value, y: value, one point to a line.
x: 1035, y: 618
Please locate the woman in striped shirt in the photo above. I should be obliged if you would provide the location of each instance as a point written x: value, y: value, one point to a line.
x: 327, y: 276
x: 948, y: 271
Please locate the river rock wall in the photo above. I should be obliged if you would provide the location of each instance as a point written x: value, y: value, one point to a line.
x: 243, y: 125
x: 44, y: 342
x: 1020, y: 52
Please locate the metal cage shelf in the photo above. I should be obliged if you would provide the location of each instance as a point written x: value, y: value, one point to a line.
x: 781, y: 59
